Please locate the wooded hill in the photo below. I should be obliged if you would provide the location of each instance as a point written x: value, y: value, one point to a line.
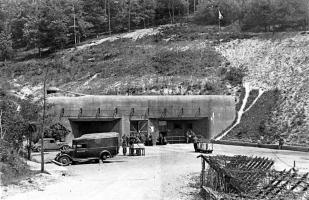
x: 48, y: 25
x: 174, y: 59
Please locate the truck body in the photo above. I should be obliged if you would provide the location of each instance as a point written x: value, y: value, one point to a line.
x: 92, y: 146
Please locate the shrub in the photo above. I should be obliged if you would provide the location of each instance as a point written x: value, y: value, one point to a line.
x: 12, y: 166
x: 6, y: 50
x: 235, y: 75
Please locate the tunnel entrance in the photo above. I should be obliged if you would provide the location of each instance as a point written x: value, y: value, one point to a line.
x: 174, y: 130
x: 86, y: 126
x: 139, y: 127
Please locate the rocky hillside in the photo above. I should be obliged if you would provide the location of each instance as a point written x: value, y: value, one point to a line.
x: 188, y: 60
x: 276, y: 63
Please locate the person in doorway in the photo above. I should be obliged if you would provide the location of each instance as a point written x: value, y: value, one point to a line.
x: 195, y: 141
x: 187, y: 136
x: 150, y: 140
x: 131, y: 146
x: 124, y: 147
x: 125, y: 139
x: 147, y: 140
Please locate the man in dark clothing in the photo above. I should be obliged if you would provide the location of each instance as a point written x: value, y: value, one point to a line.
x: 281, y: 141
x: 150, y: 140
x: 124, y: 147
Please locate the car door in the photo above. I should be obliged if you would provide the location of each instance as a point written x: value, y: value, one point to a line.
x: 81, y: 150
x: 47, y: 144
x: 53, y: 145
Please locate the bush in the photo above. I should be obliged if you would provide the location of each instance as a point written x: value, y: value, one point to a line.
x: 235, y: 75
x: 12, y: 167
x: 6, y: 50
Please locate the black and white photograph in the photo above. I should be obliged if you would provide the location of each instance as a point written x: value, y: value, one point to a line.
x: 154, y: 99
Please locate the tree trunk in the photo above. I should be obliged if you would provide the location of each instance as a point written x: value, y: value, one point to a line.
x: 194, y: 6
x: 1, y: 129
x: 29, y: 145
x: 129, y: 15
x: 173, y: 10
x: 188, y: 11
x: 144, y: 18
x: 105, y: 6
x: 169, y: 11
x: 109, y: 18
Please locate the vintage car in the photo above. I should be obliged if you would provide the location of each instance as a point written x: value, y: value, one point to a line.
x: 94, y: 146
x: 50, y: 144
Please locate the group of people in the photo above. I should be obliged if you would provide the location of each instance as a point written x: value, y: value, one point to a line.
x: 190, y: 136
x: 161, y: 140
x: 130, y: 141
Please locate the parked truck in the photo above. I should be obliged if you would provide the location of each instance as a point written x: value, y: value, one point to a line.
x: 94, y: 146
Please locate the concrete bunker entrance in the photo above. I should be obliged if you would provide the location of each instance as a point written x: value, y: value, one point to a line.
x: 86, y: 126
x: 138, y: 127
x: 174, y: 130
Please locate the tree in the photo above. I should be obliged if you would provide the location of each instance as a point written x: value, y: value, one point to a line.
x: 6, y: 50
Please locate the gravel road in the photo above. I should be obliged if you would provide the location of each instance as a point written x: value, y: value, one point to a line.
x: 166, y: 172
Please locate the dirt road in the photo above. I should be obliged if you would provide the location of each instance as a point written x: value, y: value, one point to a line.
x: 166, y: 172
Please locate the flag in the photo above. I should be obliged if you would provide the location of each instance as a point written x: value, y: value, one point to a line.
x: 220, y: 15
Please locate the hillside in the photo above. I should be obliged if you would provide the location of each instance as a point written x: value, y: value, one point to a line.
x: 167, y: 60
x: 187, y: 59
x: 278, y: 66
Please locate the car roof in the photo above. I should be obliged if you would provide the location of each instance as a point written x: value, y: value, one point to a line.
x: 98, y: 136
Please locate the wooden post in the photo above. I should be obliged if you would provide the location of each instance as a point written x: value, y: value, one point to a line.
x: 203, y: 172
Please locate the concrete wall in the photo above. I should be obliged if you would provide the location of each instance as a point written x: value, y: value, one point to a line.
x: 217, y: 111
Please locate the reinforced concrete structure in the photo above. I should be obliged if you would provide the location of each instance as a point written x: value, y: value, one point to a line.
x: 172, y: 116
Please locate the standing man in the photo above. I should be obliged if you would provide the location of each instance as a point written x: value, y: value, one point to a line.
x: 195, y: 141
x: 187, y: 136
x: 281, y: 141
x: 124, y: 147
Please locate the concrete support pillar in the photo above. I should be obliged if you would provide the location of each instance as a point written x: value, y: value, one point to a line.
x: 125, y: 126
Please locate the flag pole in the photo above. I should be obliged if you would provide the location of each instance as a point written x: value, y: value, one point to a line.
x: 219, y: 18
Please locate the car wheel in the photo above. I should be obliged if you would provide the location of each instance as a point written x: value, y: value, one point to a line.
x: 65, y: 160
x: 104, y: 156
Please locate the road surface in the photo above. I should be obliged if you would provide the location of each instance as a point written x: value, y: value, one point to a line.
x: 166, y: 172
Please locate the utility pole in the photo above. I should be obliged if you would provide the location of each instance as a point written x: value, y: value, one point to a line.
x: 43, y: 121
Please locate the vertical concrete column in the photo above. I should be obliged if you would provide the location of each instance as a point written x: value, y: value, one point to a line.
x: 212, y: 125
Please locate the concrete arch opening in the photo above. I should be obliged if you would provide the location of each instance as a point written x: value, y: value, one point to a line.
x: 175, y: 129
x: 86, y: 126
